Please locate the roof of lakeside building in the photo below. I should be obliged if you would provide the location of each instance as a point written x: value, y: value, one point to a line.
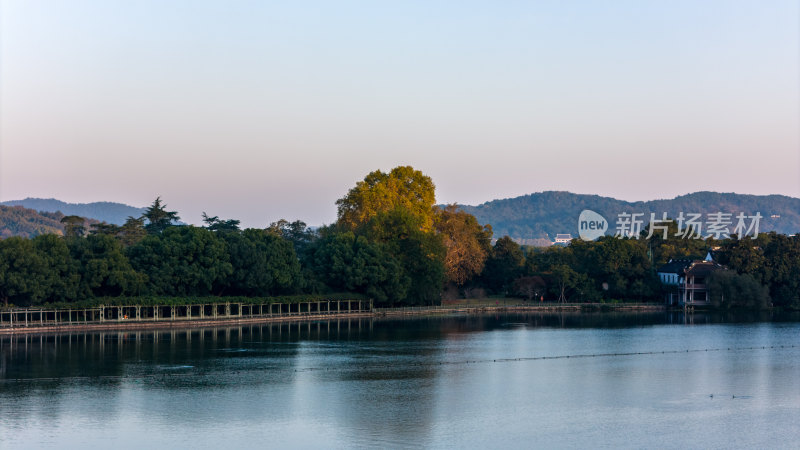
x: 695, y: 267
x: 702, y: 268
x: 675, y: 266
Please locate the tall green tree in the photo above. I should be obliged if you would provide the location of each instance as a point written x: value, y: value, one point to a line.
x: 505, y: 264
x: 564, y: 280
x: 728, y: 289
x: 772, y: 259
x: 346, y: 262
x: 263, y: 264
x: 184, y: 260
x: 744, y: 256
x: 61, y: 275
x: 420, y: 253
x: 132, y: 231
x: 568, y: 285
x: 781, y: 271
x: 38, y: 270
x: 220, y: 226
x: 297, y: 232
x: 103, y: 267
x: 73, y: 226
x: 23, y: 273
x: 158, y: 218
x: 620, y: 267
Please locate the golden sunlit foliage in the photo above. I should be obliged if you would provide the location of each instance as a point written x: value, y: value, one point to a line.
x: 403, y: 187
x: 468, y: 244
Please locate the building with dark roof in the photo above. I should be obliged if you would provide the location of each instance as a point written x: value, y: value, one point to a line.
x: 686, y: 281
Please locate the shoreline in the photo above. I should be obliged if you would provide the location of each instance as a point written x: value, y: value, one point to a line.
x: 375, y: 313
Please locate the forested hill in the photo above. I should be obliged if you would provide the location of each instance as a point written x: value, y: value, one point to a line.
x: 544, y: 214
x: 24, y: 222
x: 110, y: 212
x: 19, y: 221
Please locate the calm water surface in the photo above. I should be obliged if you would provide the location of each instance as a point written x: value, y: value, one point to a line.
x: 545, y: 381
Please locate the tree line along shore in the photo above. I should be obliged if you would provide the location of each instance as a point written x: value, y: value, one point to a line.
x: 391, y: 243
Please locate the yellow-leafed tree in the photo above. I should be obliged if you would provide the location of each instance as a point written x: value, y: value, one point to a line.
x: 402, y: 188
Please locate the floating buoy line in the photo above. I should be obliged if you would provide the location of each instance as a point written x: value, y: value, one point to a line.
x: 542, y: 358
x: 173, y: 372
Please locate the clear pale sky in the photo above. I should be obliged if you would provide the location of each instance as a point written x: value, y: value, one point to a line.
x: 265, y: 110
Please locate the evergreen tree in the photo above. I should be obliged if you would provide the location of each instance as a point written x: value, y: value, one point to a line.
x: 158, y: 218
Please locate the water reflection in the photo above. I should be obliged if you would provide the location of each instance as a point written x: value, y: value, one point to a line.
x: 437, y: 380
x: 114, y: 355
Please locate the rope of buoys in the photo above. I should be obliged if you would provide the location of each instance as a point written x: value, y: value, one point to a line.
x: 542, y: 358
x: 176, y: 374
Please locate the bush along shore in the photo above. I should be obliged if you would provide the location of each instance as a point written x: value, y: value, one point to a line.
x: 390, y: 243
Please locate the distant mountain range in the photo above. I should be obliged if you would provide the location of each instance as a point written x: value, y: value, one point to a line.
x: 542, y: 215
x: 109, y: 212
x: 533, y: 219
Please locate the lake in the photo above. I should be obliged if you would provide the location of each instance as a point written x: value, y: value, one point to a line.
x: 629, y: 380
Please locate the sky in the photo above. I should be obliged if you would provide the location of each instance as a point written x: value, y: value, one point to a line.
x: 260, y: 110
